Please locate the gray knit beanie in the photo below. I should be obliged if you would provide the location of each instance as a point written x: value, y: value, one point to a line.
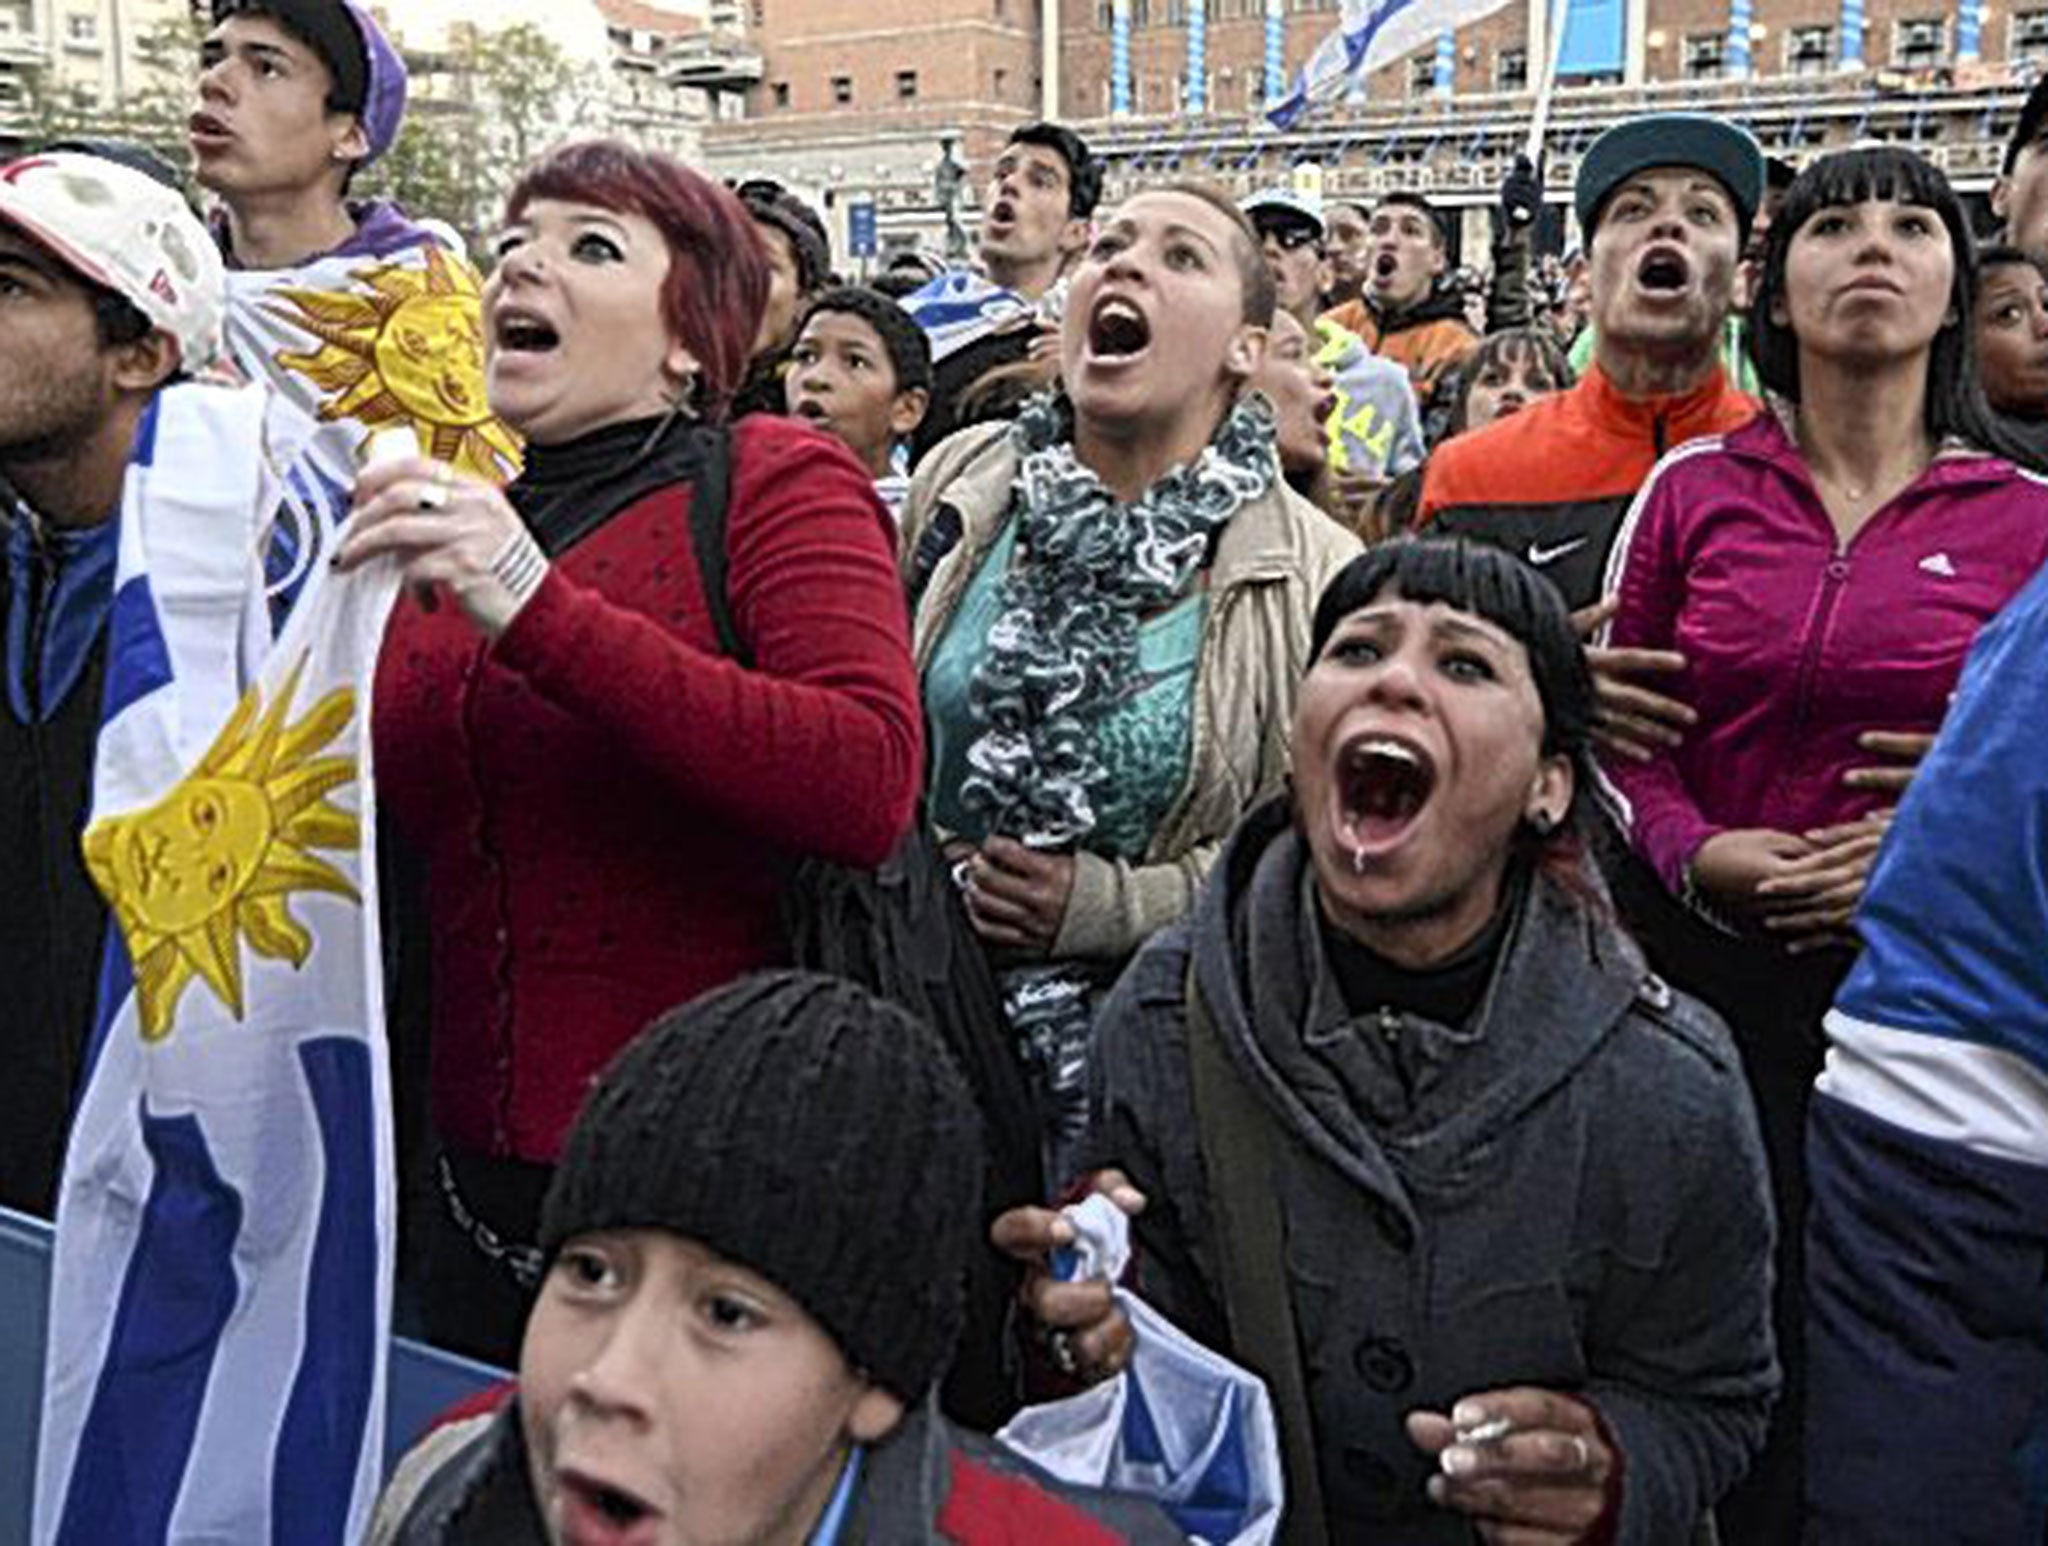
x: 808, y: 1131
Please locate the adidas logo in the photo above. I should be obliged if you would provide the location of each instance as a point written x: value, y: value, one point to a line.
x: 1938, y: 563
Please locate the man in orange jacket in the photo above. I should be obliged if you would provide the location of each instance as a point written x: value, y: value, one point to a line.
x: 1405, y: 314
x: 1666, y: 201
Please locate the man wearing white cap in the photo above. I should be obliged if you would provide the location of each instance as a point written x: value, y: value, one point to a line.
x: 110, y: 291
x: 1374, y: 431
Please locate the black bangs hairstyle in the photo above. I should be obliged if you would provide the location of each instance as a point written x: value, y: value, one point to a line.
x: 1536, y: 347
x: 1487, y: 582
x: 1955, y: 401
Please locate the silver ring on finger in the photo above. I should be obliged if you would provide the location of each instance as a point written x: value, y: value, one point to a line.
x: 1584, y: 1453
x: 1059, y: 1346
x: 434, y: 496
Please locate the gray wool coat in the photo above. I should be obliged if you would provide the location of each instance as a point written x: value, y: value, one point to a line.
x: 1569, y: 1193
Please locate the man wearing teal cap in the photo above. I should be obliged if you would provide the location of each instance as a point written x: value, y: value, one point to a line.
x: 1665, y: 202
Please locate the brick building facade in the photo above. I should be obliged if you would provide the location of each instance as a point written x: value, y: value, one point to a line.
x: 856, y: 96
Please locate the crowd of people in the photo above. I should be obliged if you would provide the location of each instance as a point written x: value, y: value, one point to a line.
x: 1503, y: 816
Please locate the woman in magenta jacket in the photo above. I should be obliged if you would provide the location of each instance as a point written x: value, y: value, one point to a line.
x: 607, y: 806
x: 1821, y: 572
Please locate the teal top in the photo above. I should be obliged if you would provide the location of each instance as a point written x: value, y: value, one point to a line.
x: 1144, y: 739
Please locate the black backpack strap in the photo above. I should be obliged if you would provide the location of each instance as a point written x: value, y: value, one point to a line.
x: 1241, y: 1151
x: 710, y: 495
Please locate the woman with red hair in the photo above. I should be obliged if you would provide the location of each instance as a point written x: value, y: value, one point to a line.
x: 604, y: 801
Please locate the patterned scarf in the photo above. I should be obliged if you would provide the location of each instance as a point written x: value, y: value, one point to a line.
x: 1063, y: 652
x: 1063, y: 649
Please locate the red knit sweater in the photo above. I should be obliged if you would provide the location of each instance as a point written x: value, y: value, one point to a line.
x: 608, y: 806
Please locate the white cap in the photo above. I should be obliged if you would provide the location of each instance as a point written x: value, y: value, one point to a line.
x: 126, y: 231
x: 1303, y: 206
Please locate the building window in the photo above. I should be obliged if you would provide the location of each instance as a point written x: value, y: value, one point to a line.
x: 842, y: 90
x: 906, y: 86
x: 780, y: 92
x: 1422, y: 73
x: 1809, y: 50
x: 1002, y: 83
x: 2028, y: 38
x: 1511, y: 70
x: 1919, y: 44
x: 1703, y: 51
x: 81, y: 27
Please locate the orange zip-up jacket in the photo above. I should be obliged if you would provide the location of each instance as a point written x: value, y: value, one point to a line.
x: 1552, y: 482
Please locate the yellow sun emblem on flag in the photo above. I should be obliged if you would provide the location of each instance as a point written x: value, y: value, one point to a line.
x: 407, y: 350
x: 215, y: 861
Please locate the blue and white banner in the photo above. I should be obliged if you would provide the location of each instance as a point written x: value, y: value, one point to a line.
x: 221, y: 1295
x: 962, y: 308
x: 1370, y: 33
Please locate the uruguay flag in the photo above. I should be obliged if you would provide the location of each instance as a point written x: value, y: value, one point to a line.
x: 1368, y: 34
x: 1927, y: 1232
x: 962, y: 308
x: 1181, y: 1425
x: 220, y: 1298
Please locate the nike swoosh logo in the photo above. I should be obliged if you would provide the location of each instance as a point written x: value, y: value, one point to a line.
x: 1539, y: 555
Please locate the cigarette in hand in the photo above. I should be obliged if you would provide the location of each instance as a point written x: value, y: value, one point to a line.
x: 1490, y: 1432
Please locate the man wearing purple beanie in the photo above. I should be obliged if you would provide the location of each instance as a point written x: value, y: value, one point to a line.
x: 295, y: 96
x: 364, y: 318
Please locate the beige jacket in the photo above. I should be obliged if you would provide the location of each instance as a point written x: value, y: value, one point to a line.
x: 1270, y: 566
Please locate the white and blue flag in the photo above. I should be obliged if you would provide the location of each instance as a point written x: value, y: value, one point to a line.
x: 1181, y: 1425
x: 962, y: 308
x: 1368, y: 34
x: 221, y: 1296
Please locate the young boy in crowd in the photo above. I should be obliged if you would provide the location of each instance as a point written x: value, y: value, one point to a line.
x: 756, y: 1244
x: 862, y: 372
x: 2011, y: 324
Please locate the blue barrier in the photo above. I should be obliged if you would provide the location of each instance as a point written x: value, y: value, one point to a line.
x: 424, y: 1381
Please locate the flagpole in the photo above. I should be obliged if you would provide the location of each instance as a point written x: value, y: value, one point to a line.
x: 1539, y: 121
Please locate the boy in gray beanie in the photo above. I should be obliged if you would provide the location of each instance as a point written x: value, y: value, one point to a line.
x: 757, y: 1241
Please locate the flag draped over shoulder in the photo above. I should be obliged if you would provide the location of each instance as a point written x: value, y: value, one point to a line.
x: 220, y: 1300
x: 1368, y: 34
x: 372, y: 341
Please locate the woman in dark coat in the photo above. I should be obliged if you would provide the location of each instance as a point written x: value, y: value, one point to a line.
x: 1424, y: 1142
